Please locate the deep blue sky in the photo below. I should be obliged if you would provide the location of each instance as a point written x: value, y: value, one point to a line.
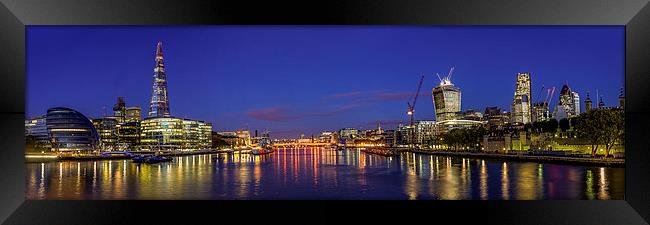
x: 302, y: 79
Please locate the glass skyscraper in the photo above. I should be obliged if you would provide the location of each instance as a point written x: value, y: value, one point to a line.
x: 446, y: 100
x: 521, y: 102
x: 159, y: 106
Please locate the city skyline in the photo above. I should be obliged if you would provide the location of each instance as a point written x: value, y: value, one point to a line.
x: 336, y: 96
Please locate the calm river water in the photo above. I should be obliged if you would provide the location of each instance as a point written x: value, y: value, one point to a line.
x: 321, y: 174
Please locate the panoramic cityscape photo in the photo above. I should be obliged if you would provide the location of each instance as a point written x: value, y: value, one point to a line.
x: 325, y: 112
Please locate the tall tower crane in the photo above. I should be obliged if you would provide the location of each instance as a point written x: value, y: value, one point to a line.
x: 411, y: 106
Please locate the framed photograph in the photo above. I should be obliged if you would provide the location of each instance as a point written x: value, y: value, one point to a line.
x: 192, y: 112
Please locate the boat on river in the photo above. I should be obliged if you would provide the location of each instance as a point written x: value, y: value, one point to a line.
x: 158, y: 158
x: 262, y: 151
x: 139, y: 159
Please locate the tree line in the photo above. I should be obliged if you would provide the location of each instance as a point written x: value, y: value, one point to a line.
x: 600, y: 127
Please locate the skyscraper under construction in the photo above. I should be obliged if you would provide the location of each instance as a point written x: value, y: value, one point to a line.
x: 159, y: 106
x: 446, y: 99
x: 521, y: 102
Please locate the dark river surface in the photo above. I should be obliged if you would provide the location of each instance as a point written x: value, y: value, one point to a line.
x: 321, y: 174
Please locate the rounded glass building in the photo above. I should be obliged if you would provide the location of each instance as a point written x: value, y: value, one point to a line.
x: 71, y: 132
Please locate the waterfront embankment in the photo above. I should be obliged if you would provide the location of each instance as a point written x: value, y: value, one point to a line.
x: 126, y: 155
x: 531, y: 158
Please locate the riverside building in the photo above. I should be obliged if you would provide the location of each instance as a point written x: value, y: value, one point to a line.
x: 169, y: 133
x: 161, y: 131
x: 36, y: 136
x: 71, y: 133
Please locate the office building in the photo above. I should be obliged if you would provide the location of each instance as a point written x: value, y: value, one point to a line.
x: 496, y: 118
x: 107, y: 129
x: 540, y: 112
x: 133, y: 114
x: 169, y: 133
x: 70, y: 132
x: 348, y: 133
x: 119, y: 110
x: 159, y: 106
x: 566, y: 107
x: 128, y: 135
x: 36, y: 135
x: 424, y: 131
x: 576, y: 103
x: 521, y: 102
x: 446, y: 99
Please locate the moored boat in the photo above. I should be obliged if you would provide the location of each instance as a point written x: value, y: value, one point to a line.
x: 151, y: 159
x: 139, y: 159
x: 158, y: 158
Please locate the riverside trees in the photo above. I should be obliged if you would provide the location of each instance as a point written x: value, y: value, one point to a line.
x: 601, y: 127
x: 469, y: 138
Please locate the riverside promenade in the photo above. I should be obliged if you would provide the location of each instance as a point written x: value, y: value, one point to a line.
x: 114, y: 155
x: 533, y: 158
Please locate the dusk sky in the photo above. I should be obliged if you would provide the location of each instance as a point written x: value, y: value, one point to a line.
x: 307, y: 79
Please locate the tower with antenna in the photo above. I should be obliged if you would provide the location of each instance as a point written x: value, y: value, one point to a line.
x: 159, y: 106
x: 446, y: 98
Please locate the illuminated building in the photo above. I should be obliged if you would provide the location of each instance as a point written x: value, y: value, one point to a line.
x: 107, y: 129
x: 230, y: 138
x: 446, y: 99
x: 566, y: 107
x: 405, y: 135
x: 471, y: 114
x: 447, y: 125
x: 71, y: 132
x: 521, y: 103
x: 161, y: 131
x: 159, y: 106
x: 540, y: 112
x: 588, y: 103
x: 348, y: 133
x: 576, y: 103
x: 169, y: 133
x: 245, y: 137
x: 133, y: 114
x: 119, y: 110
x: 128, y: 135
x: 496, y: 118
x: 36, y: 136
x: 328, y: 137
x: 424, y: 131
x: 389, y: 137
x: 621, y: 100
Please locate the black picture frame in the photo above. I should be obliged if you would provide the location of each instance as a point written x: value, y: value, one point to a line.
x: 16, y: 14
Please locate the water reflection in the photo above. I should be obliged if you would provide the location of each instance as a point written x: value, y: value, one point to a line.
x: 316, y: 173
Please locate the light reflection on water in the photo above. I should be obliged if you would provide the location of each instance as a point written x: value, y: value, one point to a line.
x: 321, y: 174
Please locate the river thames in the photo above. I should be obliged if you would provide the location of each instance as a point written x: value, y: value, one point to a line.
x: 316, y: 173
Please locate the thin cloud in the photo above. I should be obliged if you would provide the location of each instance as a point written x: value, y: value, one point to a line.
x: 275, y: 114
x: 282, y: 114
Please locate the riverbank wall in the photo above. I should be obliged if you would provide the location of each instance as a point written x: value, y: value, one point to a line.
x: 532, y: 158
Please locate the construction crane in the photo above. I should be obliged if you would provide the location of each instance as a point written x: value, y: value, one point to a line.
x: 549, y: 98
x: 411, y: 106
